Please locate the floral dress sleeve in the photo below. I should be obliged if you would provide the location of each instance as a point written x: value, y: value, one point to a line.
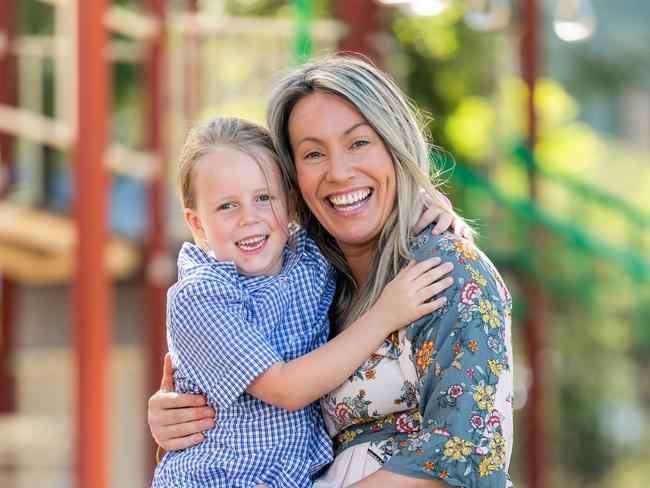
x: 462, y: 357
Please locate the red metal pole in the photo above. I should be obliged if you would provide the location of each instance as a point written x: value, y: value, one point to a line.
x: 362, y: 19
x: 91, y: 281
x: 8, y: 96
x: 536, y: 314
x: 191, y: 66
x: 157, y: 279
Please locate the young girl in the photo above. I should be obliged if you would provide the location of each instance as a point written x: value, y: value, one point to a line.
x: 248, y: 318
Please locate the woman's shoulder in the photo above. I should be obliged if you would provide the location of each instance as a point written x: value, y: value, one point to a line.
x: 468, y: 259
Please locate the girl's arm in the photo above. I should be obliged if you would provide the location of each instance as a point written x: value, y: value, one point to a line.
x: 405, y: 299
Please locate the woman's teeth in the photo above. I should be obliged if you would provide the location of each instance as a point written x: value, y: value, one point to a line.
x: 349, y: 201
x: 252, y: 243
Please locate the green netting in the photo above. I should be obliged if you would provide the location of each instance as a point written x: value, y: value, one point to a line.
x: 636, y: 265
x: 304, y: 18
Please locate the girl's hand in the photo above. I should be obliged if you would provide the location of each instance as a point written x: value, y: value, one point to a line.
x: 176, y: 420
x: 407, y: 297
x: 445, y: 218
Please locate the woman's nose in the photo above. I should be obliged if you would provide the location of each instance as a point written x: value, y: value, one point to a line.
x: 340, y: 168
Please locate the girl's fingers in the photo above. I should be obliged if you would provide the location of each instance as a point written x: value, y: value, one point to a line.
x: 415, y: 270
x: 429, y: 216
x: 432, y: 275
x: 432, y: 306
x: 443, y: 223
x: 433, y: 289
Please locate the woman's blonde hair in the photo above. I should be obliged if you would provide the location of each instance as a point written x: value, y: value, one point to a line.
x: 395, y: 119
x: 240, y: 134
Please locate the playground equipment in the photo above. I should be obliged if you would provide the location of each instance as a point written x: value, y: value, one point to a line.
x: 178, y: 86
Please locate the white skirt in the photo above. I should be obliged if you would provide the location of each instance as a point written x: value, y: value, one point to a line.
x: 353, y: 464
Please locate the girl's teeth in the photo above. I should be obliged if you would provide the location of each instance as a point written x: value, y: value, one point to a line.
x: 250, y: 244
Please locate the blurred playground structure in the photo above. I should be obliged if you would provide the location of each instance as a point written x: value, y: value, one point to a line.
x: 95, y: 99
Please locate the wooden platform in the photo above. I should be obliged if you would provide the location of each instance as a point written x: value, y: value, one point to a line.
x: 38, y: 247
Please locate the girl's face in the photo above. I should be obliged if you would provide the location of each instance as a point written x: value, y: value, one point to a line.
x: 240, y: 210
x: 345, y: 173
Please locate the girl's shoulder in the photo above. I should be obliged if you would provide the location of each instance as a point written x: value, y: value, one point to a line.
x: 309, y: 252
x: 200, y: 274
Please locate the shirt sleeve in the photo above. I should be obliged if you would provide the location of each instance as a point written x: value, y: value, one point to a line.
x: 212, y: 344
x: 462, y: 356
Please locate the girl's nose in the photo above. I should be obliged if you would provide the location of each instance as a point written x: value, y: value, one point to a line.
x: 249, y: 215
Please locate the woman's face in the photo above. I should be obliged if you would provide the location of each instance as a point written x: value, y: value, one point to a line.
x: 345, y: 173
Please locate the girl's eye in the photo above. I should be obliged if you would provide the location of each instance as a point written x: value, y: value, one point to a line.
x: 226, y: 206
x: 359, y: 143
x: 264, y: 198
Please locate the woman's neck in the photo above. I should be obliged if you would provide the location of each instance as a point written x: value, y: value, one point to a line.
x: 359, y: 259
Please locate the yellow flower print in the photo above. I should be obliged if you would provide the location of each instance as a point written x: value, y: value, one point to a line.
x: 489, y: 313
x: 428, y: 466
x: 484, y: 397
x: 473, y: 346
x: 347, y: 436
x: 495, y: 367
x: 486, y: 467
x: 425, y: 354
x: 498, y: 445
x: 466, y: 249
x: 457, y: 447
x: 476, y: 276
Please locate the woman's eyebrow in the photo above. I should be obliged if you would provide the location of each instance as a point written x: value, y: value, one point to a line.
x: 355, y: 126
x: 345, y: 133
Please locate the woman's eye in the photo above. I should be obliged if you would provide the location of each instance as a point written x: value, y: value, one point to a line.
x: 360, y: 143
x: 313, y: 154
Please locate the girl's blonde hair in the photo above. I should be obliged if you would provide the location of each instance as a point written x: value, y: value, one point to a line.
x: 240, y: 134
x: 395, y: 119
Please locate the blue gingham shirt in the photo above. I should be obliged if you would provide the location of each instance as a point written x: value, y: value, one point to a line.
x: 224, y: 330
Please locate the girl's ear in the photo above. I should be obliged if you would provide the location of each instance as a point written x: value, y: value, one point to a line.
x: 195, y: 224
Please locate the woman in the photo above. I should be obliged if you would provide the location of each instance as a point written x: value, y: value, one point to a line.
x: 432, y: 407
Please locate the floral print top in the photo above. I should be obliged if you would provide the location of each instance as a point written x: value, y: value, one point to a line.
x: 436, y: 397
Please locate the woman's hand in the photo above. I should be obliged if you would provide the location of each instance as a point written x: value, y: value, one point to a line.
x: 176, y: 420
x: 444, y: 218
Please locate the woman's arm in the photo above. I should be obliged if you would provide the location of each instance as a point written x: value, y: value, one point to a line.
x: 176, y: 420
x: 462, y: 357
x: 405, y: 299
